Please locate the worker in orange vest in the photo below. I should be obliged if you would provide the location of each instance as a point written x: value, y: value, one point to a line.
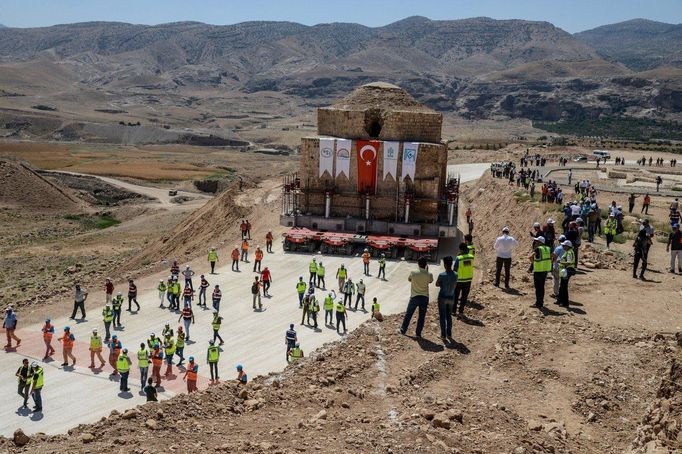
x: 67, y: 341
x: 245, y: 251
x: 259, y: 259
x: 191, y: 375
x: 365, y: 261
x: 115, y: 347
x: 235, y: 259
x: 268, y: 242
x: 48, y: 332
x: 157, y: 361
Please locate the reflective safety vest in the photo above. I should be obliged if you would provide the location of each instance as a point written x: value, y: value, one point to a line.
x: 48, y: 331
x: 235, y: 254
x: 108, y: 314
x: 95, y: 343
x: 313, y: 305
x: 340, y: 308
x: 175, y: 288
x: 544, y: 263
x: 217, y: 321
x: 115, y: 347
x: 610, y: 228
x: 365, y: 257
x: 471, y: 249
x: 300, y: 287
x: 382, y: 263
x: 212, y: 256
x: 259, y: 254
x: 328, y: 304
x: 169, y: 347
x: 167, y: 332
x: 342, y: 272
x: 465, y: 272
x: 116, y: 303
x: 180, y: 343
x: 68, y: 339
x: 568, y: 259
x: 296, y: 353
x: 38, y: 378
x: 192, y: 371
x: 320, y: 270
x: 143, y: 358
x: 213, y: 354
x: 122, y: 364
x: 313, y: 267
x: 349, y: 288
x: 162, y: 287
x: 153, y: 340
x: 157, y: 357
x: 375, y: 307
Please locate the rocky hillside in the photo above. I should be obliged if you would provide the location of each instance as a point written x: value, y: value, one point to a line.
x: 639, y: 44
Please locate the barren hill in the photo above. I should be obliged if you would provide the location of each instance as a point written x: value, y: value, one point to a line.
x: 22, y: 187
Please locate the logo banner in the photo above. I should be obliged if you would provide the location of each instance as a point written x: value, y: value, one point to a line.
x: 367, y: 154
x: 391, y: 150
x: 343, y: 147
x: 326, y: 157
x: 409, y: 160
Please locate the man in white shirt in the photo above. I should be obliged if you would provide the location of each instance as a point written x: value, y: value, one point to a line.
x: 504, y: 246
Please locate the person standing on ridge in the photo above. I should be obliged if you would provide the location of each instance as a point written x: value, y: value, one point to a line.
x: 504, y: 246
x: 540, y: 266
x: 464, y: 268
x: 446, y: 282
x: 419, y: 296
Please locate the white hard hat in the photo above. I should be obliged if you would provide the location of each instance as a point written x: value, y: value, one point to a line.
x: 567, y: 243
x: 540, y: 239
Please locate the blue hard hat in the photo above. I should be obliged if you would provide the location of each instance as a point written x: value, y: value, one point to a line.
x: 66, y: 328
x: 47, y: 320
x: 191, y: 358
x: 239, y: 367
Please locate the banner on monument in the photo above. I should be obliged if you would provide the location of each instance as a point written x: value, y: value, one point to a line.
x: 367, y: 154
x: 343, y: 147
x: 410, y: 150
x: 326, y: 157
x: 391, y: 150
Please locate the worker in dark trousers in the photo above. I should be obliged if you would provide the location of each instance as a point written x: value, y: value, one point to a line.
x: 464, y: 267
x: 290, y: 339
x: 340, y: 316
x: 641, y: 248
x: 313, y: 309
x: 132, y: 296
x: 305, y: 317
x: 540, y: 266
x: 348, y: 291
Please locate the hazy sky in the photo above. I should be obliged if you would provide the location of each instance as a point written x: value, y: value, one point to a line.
x: 571, y: 15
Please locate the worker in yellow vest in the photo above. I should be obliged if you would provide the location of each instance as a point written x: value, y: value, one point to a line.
x: 341, y: 275
x: 313, y: 309
x: 376, y: 310
x: 300, y: 288
x: 143, y: 357
x: 320, y: 276
x: 96, y: 350
x: 169, y: 351
x: 464, y: 266
x: 123, y: 367
x: 341, y: 316
x: 469, y: 240
x: 312, y: 267
x: 329, y: 308
x: 107, y: 317
x: 540, y: 265
x: 212, y: 259
x: 212, y: 357
x: 162, y: 292
x: 295, y: 353
x: 37, y: 381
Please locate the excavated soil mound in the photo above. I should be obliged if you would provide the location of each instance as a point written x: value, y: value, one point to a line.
x: 22, y: 187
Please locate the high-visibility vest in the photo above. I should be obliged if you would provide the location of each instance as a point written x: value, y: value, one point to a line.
x: 471, y: 249
x: 610, y: 228
x: 349, y: 288
x: 382, y: 263
x: 245, y: 246
x: 143, y: 358
x: 175, y: 288
x: 313, y: 305
x: 300, y: 287
x: 48, y: 331
x: 169, y: 347
x: 465, y: 272
x: 116, y: 303
x: 67, y: 341
x: 162, y: 287
x: 296, y: 353
x: 320, y: 270
x: 213, y: 354
x: 313, y: 267
x: 342, y: 272
x: 180, y: 343
x: 568, y: 259
x: 153, y: 340
x: 544, y: 263
x: 157, y: 357
x: 235, y: 254
x: 167, y: 331
x: 328, y: 303
x: 375, y: 307
x: 212, y: 256
x: 38, y: 378
x: 259, y: 254
x: 217, y: 321
x: 115, y: 347
x: 365, y: 257
x: 340, y: 308
x: 192, y: 369
x: 95, y: 343
x: 122, y: 363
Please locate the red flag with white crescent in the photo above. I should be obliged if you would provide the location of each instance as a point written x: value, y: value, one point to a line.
x: 367, y: 154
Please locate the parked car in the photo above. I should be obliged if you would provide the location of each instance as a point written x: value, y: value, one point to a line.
x: 173, y: 192
x: 580, y: 159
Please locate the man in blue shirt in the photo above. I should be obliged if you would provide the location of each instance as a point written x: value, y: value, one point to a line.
x: 446, y: 281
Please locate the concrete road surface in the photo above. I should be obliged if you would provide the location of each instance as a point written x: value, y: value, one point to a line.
x: 469, y: 172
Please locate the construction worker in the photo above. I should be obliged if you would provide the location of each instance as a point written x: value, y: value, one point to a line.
x: 341, y: 275
x: 216, y: 297
x: 255, y: 291
x: 37, y: 381
x: 312, y: 267
x: 79, y: 302
x: 67, y: 341
x: 188, y: 274
x: 313, y: 309
x: 48, y: 332
x: 446, y: 282
x: 150, y: 391
x: 187, y: 296
x: 469, y: 241
x: 540, y: 265
x: 242, y: 379
x: 340, y: 316
x: 212, y: 357
x: 245, y: 251
x: 212, y: 259
x: 215, y: 324
x: 235, y: 259
x: 376, y: 310
x: 132, y: 296
x: 300, y: 288
x: 295, y: 353
x: 203, y: 286
x: 242, y: 226
x: 382, y: 267
x: 259, y: 258
x: 108, y: 290
x: 248, y: 229
x: 175, y: 269
x: 143, y: 356
x: 153, y: 340
x: 169, y: 352
x: 348, y: 292
x: 191, y: 375
x: 115, y: 348
x: 306, y: 306
x: 157, y: 361
x: 290, y: 339
x: 116, y: 306
x: 162, y: 292
x: 365, y: 261
x: 268, y: 242
x: 123, y: 365
x: 567, y: 266
x: 419, y: 297
x: 96, y: 349
x: 320, y: 277
x: 360, y: 287
x: 464, y: 266
x: 329, y: 308
x: 266, y: 279
x: 167, y: 331
x: 10, y: 325
x: 25, y: 376
x: 180, y: 345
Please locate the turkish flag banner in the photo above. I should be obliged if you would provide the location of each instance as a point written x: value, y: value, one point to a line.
x: 367, y: 154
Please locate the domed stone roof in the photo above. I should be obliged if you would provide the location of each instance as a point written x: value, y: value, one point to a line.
x: 380, y: 95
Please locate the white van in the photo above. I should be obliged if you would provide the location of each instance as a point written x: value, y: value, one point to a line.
x: 601, y: 154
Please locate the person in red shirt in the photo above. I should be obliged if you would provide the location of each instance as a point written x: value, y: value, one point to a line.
x: 248, y: 229
x: 645, y: 204
x: 109, y: 289
x: 268, y: 242
x: 266, y: 278
x: 259, y: 259
x: 242, y: 227
x: 235, y: 259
